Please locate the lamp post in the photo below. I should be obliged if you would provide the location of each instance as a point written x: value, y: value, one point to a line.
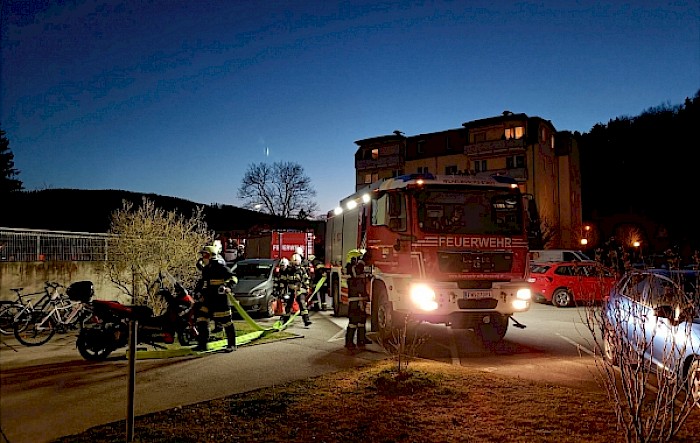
x: 585, y: 235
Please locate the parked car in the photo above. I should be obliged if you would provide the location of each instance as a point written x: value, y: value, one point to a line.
x: 254, y: 290
x: 563, y: 284
x: 550, y: 255
x: 687, y: 278
x: 649, y: 316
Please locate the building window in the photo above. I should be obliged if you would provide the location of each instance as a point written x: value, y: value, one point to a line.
x: 516, y: 133
x: 422, y: 169
x: 551, y: 141
x: 420, y: 146
x: 371, y: 178
x: 543, y: 135
x: 396, y: 173
x: 375, y: 154
x: 480, y: 166
x: 448, y: 146
x: 479, y: 137
x: 451, y: 170
x: 515, y: 161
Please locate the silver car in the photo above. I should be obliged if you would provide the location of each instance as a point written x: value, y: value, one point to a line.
x: 651, y: 316
x: 255, y: 285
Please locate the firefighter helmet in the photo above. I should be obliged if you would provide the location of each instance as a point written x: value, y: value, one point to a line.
x: 284, y: 263
x: 299, y: 250
x: 296, y: 259
x: 209, y: 249
x: 353, y: 253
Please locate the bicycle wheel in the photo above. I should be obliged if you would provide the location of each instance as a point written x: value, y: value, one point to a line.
x: 8, y: 311
x: 39, y: 329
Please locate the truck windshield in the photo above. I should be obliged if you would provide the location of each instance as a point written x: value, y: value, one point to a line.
x: 470, y: 211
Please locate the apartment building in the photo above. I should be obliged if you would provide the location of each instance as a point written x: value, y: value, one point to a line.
x: 544, y: 162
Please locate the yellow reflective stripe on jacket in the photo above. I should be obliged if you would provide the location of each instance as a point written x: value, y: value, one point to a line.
x: 217, y: 281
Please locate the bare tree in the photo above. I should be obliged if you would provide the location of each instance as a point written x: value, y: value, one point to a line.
x: 279, y: 189
x: 148, y: 242
x: 549, y: 232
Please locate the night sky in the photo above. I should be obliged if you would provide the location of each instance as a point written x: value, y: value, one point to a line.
x: 178, y: 97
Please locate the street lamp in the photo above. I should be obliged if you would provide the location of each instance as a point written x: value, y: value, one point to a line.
x: 584, y: 237
x: 638, y: 251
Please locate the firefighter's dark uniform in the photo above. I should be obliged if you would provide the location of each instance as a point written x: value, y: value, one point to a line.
x: 216, y: 277
x: 357, y: 297
x: 320, y: 272
x: 292, y: 283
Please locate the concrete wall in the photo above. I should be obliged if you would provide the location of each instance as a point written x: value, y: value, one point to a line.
x: 32, y: 275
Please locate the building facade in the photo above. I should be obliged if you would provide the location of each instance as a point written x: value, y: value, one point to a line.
x: 544, y: 162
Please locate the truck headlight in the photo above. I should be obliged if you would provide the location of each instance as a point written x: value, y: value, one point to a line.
x: 522, y: 299
x: 523, y: 294
x: 423, y: 297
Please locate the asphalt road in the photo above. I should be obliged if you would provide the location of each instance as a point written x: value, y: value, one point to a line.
x: 49, y: 391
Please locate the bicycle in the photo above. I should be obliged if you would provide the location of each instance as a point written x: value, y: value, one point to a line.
x: 12, y: 312
x: 60, y: 315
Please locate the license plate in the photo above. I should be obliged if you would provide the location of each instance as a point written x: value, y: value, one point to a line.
x: 477, y: 294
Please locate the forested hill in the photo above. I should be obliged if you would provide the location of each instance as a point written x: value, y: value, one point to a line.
x: 79, y: 210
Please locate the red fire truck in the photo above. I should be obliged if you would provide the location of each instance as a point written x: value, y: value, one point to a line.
x: 442, y: 249
x: 278, y: 244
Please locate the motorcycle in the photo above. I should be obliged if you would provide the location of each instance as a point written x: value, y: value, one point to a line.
x: 107, y: 329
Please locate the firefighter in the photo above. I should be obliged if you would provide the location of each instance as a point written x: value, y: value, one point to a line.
x: 214, y: 288
x: 292, y: 283
x: 357, y: 297
x: 320, y: 271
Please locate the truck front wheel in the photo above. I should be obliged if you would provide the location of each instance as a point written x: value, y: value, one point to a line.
x: 493, y: 331
x: 339, y: 310
x: 383, y: 317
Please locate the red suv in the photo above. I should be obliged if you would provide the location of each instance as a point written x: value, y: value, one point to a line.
x: 564, y: 284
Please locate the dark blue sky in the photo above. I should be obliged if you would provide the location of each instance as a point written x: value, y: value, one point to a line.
x: 179, y: 97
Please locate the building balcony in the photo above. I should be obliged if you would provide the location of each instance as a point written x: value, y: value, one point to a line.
x: 393, y: 161
x: 495, y: 148
x: 519, y: 174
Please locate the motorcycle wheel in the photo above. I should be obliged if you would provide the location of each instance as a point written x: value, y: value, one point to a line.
x: 94, y: 345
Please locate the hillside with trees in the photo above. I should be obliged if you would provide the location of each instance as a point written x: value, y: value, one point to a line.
x: 641, y: 169
x: 90, y: 211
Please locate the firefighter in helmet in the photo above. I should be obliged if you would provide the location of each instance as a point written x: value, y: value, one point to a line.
x: 214, y: 288
x: 292, y: 283
x: 357, y: 297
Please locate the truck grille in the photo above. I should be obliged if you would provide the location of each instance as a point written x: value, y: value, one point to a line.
x: 475, y: 262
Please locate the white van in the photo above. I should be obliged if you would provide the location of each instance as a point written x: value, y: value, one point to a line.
x: 548, y: 255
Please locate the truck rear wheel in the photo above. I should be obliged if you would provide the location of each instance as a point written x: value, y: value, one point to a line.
x: 493, y: 331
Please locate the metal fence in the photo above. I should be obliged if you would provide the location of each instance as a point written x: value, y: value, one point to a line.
x: 21, y: 245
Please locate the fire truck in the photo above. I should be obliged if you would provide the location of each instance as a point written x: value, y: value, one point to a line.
x: 278, y: 244
x: 448, y: 250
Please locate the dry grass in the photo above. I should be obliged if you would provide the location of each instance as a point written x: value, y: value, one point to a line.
x: 435, y: 402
